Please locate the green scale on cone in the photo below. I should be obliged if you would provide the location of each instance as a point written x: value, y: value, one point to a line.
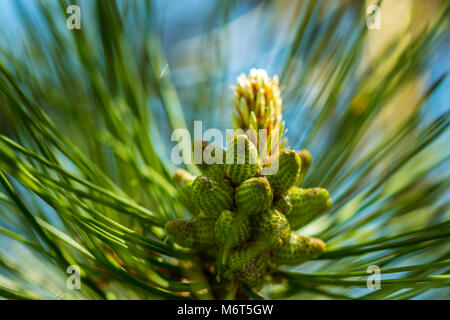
x: 212, y: 196
x: 273, y: 228
x: 242, y: 160
x: 252, y: 272
x: 232, y: 229
x: 298, y: 250
x: 306, y: 158
x: 289, y: 167
x: 253, y: 196
x: 304, y: 205
x: 196, y: 234
x: 244, y: 254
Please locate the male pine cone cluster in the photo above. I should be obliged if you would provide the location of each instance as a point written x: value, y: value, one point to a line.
x: 244, y: 218
x: 247, y: 219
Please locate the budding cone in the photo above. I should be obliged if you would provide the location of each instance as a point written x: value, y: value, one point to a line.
x: 289, y: 167
x: 242, y: 160
x: 259, y: 106
x: 306, y: 204
x: 183, y: 182
x: 299, y: 249
x: 273, y: 228
x: 253, y: 196
x: 212, y: 196
x: 212, y: 158
x: 231, y: 229
x: 196, y: 234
